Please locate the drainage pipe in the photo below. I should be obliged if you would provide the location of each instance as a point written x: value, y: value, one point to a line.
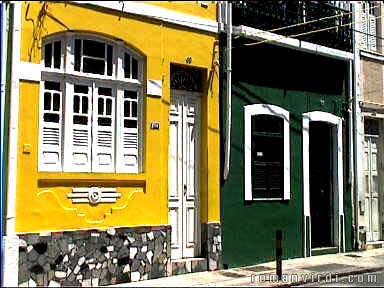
x: 357, y: 147
x: 4, y: 61
x: 229, y: 90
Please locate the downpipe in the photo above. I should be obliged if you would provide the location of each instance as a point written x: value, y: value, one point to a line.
x: 228, y: 121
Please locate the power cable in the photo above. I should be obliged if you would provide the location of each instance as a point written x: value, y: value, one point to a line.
x: 316, y: 20
x: 308, y: 32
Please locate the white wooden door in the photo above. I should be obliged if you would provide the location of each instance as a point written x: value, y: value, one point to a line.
x: 183, y: 182
x: 371, y: 193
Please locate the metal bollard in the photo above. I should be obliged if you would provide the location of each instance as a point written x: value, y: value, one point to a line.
x: 279, y: 253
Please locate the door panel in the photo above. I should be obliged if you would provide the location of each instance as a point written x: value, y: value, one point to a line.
x: 183, y: 174
x: 175, y: 186
x: 372, y: 216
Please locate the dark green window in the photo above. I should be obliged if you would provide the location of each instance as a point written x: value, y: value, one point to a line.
x: 267, y: 156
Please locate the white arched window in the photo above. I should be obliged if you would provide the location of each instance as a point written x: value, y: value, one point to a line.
x: 90, y: 105
x: 266, y: 152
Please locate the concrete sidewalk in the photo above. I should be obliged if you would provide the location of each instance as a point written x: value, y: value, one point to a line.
x: 295, y: 272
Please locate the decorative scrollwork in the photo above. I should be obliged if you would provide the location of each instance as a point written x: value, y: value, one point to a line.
x: 186, y: 78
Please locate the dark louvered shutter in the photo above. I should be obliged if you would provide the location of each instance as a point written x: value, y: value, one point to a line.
x: 267, y: 156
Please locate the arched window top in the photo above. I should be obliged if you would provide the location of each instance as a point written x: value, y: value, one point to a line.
x: 267, y: 109
x: 85, y: 54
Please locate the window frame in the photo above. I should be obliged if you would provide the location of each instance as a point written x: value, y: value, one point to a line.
x: 272, y: 110
x: 66, y: 75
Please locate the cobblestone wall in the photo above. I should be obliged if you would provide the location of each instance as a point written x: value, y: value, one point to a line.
x: 211, y: 245
x: 93, y: 257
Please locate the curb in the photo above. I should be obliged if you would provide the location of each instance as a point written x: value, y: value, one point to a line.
x: 333, y: 276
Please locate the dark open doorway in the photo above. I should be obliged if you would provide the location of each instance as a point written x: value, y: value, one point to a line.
x: 321, y: 184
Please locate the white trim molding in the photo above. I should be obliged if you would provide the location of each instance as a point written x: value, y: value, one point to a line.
x: 29, y: 71
x: 336, y: 122
x: 158, y: 13
x: 293, y: 43
x: 264, y: 109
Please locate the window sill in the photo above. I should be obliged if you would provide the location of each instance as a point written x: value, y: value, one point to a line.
x: 84, y: 178
x: 269, y: 199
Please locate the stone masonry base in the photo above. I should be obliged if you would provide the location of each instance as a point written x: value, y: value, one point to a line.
x: 96, y: 258
x: 93, y: 257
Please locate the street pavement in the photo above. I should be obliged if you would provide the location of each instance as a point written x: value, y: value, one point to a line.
x: 341, y: 269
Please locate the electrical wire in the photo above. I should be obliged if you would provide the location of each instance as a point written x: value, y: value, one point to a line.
x: 308, y: 32
x: 317, y: 20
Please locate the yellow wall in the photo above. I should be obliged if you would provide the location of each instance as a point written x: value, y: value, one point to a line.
x: 41, y: 196
x: 189, y: 7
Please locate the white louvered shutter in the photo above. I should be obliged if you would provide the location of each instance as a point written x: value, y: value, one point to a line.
x: 372, y: 33
x: 78, y: 128
x: 50, y: 127
x: 363, y: 27
x: 103, y: 158
x: 127, y: 157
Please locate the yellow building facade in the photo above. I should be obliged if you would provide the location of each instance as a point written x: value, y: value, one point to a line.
x: 117, y: 138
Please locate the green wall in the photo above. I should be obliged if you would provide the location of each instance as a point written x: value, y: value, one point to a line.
x: 275, y: 76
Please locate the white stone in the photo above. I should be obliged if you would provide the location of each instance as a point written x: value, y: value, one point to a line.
x: 214, y: 248
x: 144, y: 237
x: 105, y: 264
x: 219, y: 238
x: 126, y: 242
x: 142, y: 263
x: 132, y: 252
x: 69, y: 270
x: 25, y: 284
x: 93, y: 234
x: 76, y: 270
x: 126, y: 268
x: 110, y: 249
x: 91, y: 266
x: 149, y: 256
x: 81, y: 261
x: 107, y: 255
x: 71, y: 246
x: 165, y: 261
x: 135, y: 276
x: 212, y: 264
x: 98, y: 266
x: 87, y: 283
x: 79, y: 277
x: 188, y: 266
x: 114, y: 260
x: 131, y: 239
x: 60, y: 274
x: 111, y: 231
x: 95, y: 282
x: 29, y: 248
x: 150, y: 235
x: 145, y: 277
x: 91, y: 260
x: 144, y: 249
x: 22, y: 243
x: 163, y: 233
x: 65, y: 259
x: 31, y: 283
x: 53, y: 284
x: 215, y: 240
x: 169, y: 268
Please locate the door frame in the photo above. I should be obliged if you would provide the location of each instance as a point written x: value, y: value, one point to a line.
x: 339, y: 230
x: 198, y: 223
